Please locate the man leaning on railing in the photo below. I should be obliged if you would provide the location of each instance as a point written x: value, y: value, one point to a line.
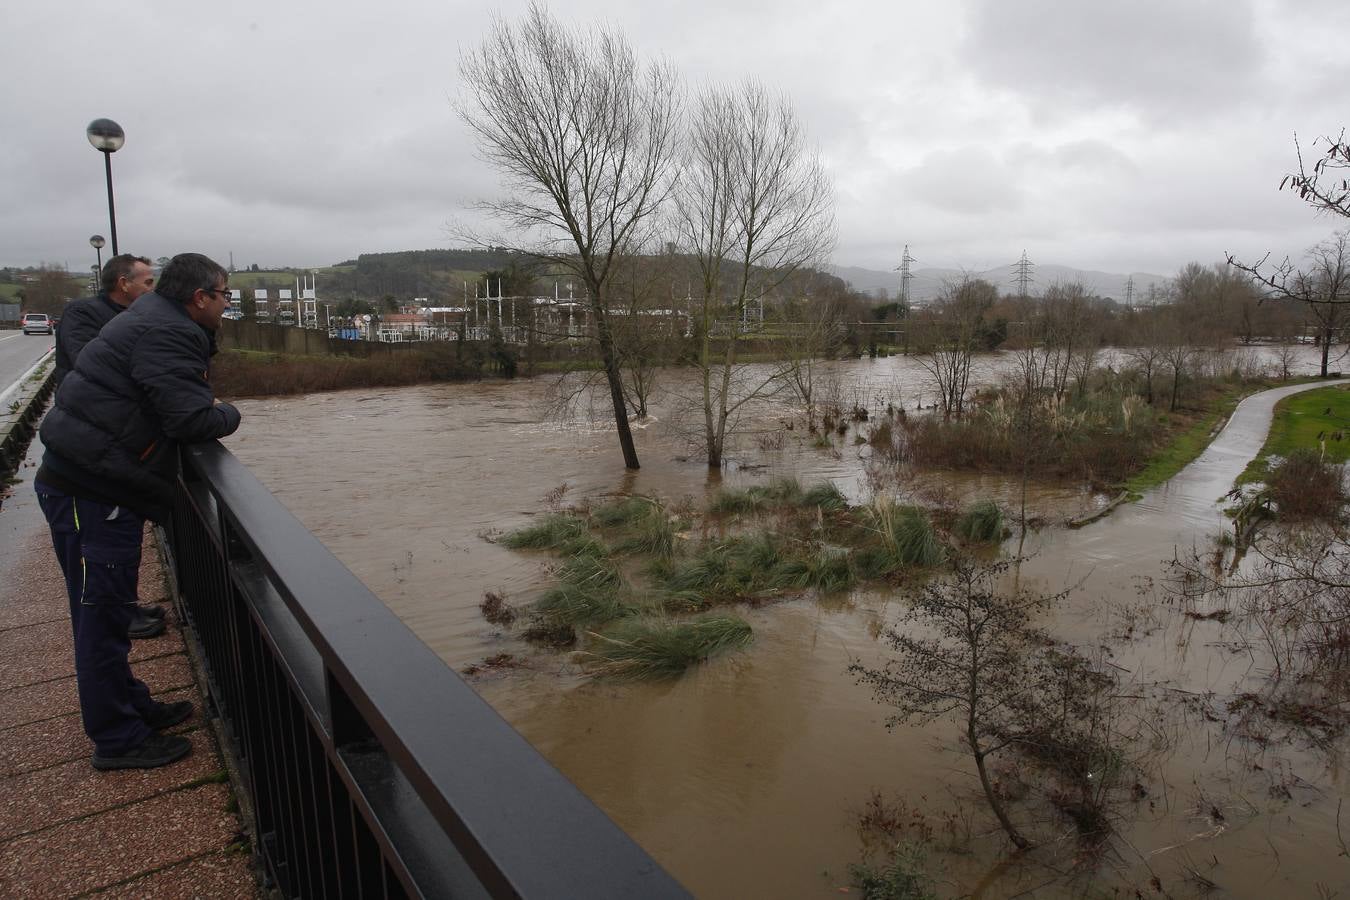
x: 137, y: 390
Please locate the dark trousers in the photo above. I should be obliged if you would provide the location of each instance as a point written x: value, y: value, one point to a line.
x: 99, y: 548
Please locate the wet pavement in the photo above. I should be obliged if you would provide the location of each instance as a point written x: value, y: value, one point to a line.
x: 67, y: 830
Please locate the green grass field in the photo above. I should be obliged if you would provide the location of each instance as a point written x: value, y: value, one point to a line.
x: 1312, y: 420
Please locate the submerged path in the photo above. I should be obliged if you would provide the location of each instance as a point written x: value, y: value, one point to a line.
x: 1184, y: 509
x: 67, y: 830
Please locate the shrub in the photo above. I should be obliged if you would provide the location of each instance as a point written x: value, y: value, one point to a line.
x: 1303, y: 486
x: 902, y: 878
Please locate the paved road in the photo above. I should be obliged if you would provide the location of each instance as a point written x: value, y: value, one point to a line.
x: 18, y: 352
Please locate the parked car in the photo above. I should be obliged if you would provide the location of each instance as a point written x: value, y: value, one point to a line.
x: 37, y: 323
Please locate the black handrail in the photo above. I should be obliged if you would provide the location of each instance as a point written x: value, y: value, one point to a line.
x: 371, y: 768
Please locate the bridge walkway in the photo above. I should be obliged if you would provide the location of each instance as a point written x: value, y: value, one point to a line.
x: 67, y: 830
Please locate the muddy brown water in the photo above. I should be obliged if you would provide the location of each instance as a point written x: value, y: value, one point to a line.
x: 744, y: 777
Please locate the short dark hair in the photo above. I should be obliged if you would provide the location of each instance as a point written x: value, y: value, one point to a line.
x: 188, y: 273
x: 118, y: 267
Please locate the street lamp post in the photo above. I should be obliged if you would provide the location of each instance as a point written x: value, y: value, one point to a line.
x: 97, y: 243
x: 107, y: 137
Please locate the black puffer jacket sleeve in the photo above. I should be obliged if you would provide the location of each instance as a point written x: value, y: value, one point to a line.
x: 81, y: 322
x: 169, y: 366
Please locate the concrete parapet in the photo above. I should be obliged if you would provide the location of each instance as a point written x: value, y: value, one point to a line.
x: 20, y: 408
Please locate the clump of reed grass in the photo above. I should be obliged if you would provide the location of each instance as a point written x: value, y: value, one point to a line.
x: 624, y: 511
x: 827, y: 569
x: 903, y: 537
x: 982, y: 523
x: 824, y: 496
x: 778, y: 492
x: 725, y: 571
x: 553, y: 532
x: 581, y: 604
x: 585, y: 570
x: 652, y: 531
x: 663, y: 648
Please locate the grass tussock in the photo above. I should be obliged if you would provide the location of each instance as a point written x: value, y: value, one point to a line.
x: 649, y: 528
x: 662, y: 648
x: 981, y: 523
x: 827, y: 569
x: 825, y: 496
x: 778, y: 492
x: 903, y: 538
x: 621, y: 512
x: 725, y: 571
x: 553, y: 532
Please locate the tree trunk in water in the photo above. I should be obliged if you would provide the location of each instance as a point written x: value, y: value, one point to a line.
x: 615, y: 379
x: 994, y: 803
x: 1326, y: 349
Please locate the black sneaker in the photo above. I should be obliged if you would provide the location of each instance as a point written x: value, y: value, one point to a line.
x: 155, y: 751
x: 167, y: 715
x: 143, y: 626
x: 151, y: 610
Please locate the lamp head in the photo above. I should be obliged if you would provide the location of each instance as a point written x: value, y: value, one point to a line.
x: 105, y: 135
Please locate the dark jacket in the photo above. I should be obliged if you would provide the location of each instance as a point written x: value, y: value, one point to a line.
x: 136, y: 391
x: 81, y: 321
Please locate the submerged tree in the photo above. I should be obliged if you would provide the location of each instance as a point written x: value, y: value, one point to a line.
x: 955, y: 336
x: 754, y: 206
x: 966, y: 648
x: 583, y: 135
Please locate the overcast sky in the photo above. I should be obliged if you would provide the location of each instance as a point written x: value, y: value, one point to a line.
x: 1116, y: 136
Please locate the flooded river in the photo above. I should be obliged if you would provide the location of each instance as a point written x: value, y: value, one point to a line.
x: 745, y: 777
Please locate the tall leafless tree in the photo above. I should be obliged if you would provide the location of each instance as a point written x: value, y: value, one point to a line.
x: 1322, y: 285
x: 753, y: 206
x: 583, y: 135
x: 954, y: 338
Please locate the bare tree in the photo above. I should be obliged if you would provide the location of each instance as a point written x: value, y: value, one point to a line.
x: 968, y: 649
x: 1149, y: 345
x: 50, y: 292
x: 648, y: 329
x: 583, y: 134
x: 1322, y: 286
x: 754, y: 206
x: 1323, y: 186
x: 953, y: 341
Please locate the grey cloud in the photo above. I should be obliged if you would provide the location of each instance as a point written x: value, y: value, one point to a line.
x: 966, y: 180
x: 1157, y: 58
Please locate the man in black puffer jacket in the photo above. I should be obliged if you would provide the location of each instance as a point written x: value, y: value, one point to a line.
x: 137, y: 390
x: 124, y: 278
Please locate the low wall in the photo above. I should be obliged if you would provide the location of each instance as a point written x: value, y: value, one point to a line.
x: 20, y: 410
x: 265, y: 337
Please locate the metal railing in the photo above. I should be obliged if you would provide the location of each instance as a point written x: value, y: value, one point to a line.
x: 371, y: 768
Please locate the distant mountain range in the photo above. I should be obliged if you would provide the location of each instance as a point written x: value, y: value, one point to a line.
x: 927, y: 284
